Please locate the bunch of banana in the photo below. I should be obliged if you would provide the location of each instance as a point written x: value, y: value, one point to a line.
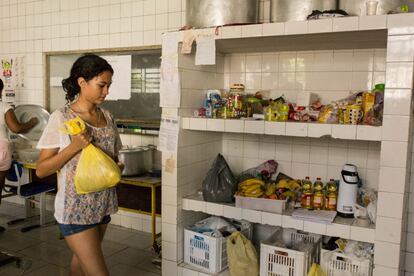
x: 288, y: 184
x: 270, y: 189
x: 251, y: 187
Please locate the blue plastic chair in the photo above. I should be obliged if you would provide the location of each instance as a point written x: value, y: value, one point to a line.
x: 28, y: 191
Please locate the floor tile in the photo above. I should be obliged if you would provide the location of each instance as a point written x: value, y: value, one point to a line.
x: 12, y: 269
x: 49, y: 270
x: 117, y: 234
x: 131, y: 256
x: 126, y: 251
x: 110, y: 248
x: 14, y: 241
x: 122, y: 270
x: 139, y: 241
x: 50, y: 253
x: 49, y: 234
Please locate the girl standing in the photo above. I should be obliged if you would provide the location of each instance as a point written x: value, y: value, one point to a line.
x: 82, y: 218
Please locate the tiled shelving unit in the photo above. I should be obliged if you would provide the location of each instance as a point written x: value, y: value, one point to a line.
x: 293, y: 129
x: 385, y: 42
x: 343, y: 228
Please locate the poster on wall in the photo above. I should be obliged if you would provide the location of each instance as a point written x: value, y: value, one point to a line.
x: 7, y: 68
x: 206, y: 50
x: 12, y: 72
x: 8, y: 94
x: 170, y: 85
x: 121, y: 80
x: 19, y: 71
x: 168, y: 134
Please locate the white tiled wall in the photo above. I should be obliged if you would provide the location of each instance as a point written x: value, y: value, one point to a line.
x: 330, y: 74
x: 195, y: 155
x: 30, y: 28
x: 317, y: 71
x: 409, y: 255
x: 301, y: 157
x: 183, y: 172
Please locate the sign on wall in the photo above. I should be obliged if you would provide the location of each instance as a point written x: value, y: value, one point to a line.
x: 121, y: 80
x: 12, y: 72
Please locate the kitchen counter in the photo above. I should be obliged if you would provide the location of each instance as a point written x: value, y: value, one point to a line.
x: 141, y: 180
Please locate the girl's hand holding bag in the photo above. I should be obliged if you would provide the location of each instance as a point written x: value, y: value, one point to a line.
x: 96, y: 171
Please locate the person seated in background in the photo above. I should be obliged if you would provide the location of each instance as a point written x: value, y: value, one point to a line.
x: 8, y: 120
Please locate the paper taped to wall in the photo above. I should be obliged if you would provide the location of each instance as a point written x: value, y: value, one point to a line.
x: 121, y: 80
x: 206, y: 50
x: 168, y: 135
x: 170, y: 86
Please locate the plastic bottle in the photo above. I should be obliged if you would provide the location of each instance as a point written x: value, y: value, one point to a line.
x: 331, y: 195
x: 318, y: 195
x: 268, y: 113
x: 237, y: 98
x: 307, y: 194
x: 283, y: 113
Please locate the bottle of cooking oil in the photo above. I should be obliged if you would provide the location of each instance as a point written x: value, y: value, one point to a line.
x: 318, y: 195
x: 269, y: 113
x: 307, y: 194
x: 331, y: 195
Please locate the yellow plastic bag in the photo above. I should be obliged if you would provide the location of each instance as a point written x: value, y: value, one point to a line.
x: 241, y: 256
x: 96, y: 171
x: 316, y: 270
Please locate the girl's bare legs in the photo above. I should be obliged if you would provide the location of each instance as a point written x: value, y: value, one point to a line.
x: 88, y: 259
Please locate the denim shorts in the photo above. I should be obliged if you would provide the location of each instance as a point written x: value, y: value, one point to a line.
x: 70, y: 229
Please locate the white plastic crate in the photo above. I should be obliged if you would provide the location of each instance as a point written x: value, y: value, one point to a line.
x: 278, y: 260
x: 338, y: 264
x: 209, y: 253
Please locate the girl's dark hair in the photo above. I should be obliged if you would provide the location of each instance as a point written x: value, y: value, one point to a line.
x: 87, y: 67
x: 1, y: 85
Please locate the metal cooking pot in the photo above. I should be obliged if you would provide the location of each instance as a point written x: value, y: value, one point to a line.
x: 209, y: 13
x: 358, y: 7
x: 298, y: 10
x: 137, y: 159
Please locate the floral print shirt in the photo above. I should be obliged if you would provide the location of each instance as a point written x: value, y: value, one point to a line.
x: 70, y: 207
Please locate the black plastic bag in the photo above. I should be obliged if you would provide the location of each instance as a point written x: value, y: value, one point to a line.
x: 219, y: 185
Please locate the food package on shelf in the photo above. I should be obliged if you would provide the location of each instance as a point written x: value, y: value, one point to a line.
x: 255, y: 103
x: 213, y: 227
x: 367, y: 198
x: 329, y: 114
x: 374, y: 115
x: 263, y: 171
x: 276, y: 110
x: 356, y: 248
x: 302, y: 114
